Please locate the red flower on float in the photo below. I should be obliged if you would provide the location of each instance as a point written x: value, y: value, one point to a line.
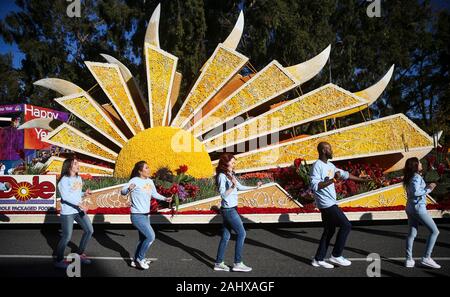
x: 351, y: 186
x: 431, y: 159
x: 441, y: 169
x: 192, y: 190
x: 154, y: 205
x: 298, y: 162
x: 174, y: 189
x: 182, y: 169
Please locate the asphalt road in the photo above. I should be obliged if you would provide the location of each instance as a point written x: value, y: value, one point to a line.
x: 189, y: 251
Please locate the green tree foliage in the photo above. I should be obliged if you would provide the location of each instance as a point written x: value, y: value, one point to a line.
x: 9, y: 81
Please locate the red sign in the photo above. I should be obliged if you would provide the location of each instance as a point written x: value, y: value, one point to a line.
x: 33, y: 136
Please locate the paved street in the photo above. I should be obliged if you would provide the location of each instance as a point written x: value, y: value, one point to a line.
x: 189, y: 251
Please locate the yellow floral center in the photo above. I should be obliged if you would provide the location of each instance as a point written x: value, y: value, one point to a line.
x: 165, y: 147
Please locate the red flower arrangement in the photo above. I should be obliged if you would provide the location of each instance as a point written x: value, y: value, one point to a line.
x: 298, y: 162
x: 441, y: 169
x: 182, y: 169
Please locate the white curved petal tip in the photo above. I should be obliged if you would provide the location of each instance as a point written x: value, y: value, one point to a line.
x: 152, y: 33
x: 437, y: 136
x: 373, y: 92
x: 61, y: 86
x: 46, y: 124
x: 123, y: 69
x: 233, y: 39
x: 308, y: 69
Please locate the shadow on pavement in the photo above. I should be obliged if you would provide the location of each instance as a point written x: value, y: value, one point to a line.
x: 102, y: 236
x: 52, y: 234
x: 399, y: 235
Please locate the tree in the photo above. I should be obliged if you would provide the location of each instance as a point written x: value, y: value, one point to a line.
x: 9, y: 81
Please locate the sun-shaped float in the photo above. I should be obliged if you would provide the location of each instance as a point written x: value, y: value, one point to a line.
x: 225, y: 109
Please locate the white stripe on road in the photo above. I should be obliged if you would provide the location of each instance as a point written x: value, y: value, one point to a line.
x: 399, y: 259
x: 51, y: 257
x: 184, y: 259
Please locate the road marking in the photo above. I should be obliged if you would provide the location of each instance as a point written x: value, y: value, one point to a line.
x: 51, y: 257
x: 184, y: 259
x: 399, y: 259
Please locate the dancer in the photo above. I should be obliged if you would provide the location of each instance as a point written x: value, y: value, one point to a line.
x: 142, y: 190
x: 416, y: 210
x: 228, y: 187
x: 70, y: 187
x: 323, y: 176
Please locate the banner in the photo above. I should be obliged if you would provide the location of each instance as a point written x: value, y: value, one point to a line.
x: 11, y: 143
x: 36, y: 193
x: 33, y: 137
x: 11, y: 108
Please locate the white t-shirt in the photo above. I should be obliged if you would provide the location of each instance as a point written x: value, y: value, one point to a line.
x: 2, y: 170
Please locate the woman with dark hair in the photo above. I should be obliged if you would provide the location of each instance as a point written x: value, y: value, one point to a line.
x: 228, y: 187
x: 416, y: 210
x: 70, y: 187
x: 141, y: 189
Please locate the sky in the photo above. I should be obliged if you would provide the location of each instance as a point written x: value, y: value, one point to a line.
x: 8, y: 6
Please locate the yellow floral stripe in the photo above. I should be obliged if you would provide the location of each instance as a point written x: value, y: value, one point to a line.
x: 56, y: 165
x: 393, y: 133
x: 269, y: 83
x: 161, y: 68
x: 325, y: 101
x: 88, y: 113
x: 67, y: 138
x: 109, y: 80
x: 224, y: 64
x: 391, y: 196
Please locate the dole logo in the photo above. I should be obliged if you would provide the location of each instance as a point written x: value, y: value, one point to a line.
x: 24, y: 191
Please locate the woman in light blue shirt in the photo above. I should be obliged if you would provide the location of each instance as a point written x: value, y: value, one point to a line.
x: 142, y: 189
x: 416, y: 209
x: 70, y: 188
x: 228, y: 187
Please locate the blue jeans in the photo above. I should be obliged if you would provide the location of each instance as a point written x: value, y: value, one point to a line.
x: 418, y: 214
x: 67, y: 228
x: 333, y: 217
x: 146, y: 234
x: 231, y: 221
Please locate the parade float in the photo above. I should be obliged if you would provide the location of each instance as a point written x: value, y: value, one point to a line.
x: 227, y: 111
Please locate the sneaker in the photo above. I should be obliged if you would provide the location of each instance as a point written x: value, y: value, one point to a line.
x: 341, y: 261
x: 323, y: 264
x: 142, y: 264
x: 430, y: 263
x: 221, y: 267
x: 62, y: 264
x: 85, y: 260
x: 241, y: 267
x: 133, y: 263
x: 410, y: 263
